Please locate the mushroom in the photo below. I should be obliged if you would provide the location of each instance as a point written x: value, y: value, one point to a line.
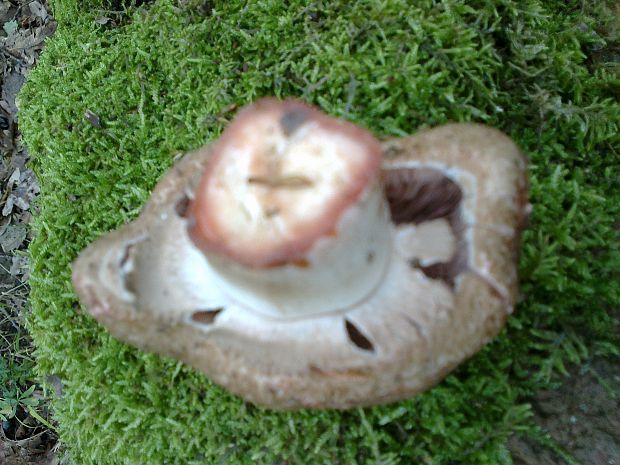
x: 301, y: 263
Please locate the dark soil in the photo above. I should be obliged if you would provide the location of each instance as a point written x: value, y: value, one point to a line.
x: 582, y: 418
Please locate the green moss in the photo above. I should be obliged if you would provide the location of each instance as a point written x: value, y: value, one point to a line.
x: 161, y: 78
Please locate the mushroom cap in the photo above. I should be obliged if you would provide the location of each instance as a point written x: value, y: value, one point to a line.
x: 457, y: 197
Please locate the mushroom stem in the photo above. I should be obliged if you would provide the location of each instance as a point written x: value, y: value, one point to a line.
x: 338, y: 272
x: 292, y: 217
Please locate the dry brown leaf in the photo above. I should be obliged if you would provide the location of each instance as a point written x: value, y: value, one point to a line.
x: 4, y: 11
x: 37, y: 10
x: 13, y: 237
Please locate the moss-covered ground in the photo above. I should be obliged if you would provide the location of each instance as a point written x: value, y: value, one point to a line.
x: 165, y: 77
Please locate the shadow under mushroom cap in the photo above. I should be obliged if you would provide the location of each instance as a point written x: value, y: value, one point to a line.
x: 416, y: 273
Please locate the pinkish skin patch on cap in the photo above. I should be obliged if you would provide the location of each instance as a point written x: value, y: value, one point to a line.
x: 207, y: 233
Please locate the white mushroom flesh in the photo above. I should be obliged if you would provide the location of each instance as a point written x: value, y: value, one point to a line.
x: 294, y: 218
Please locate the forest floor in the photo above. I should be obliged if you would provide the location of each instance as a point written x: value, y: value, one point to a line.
x: 582, y: 416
